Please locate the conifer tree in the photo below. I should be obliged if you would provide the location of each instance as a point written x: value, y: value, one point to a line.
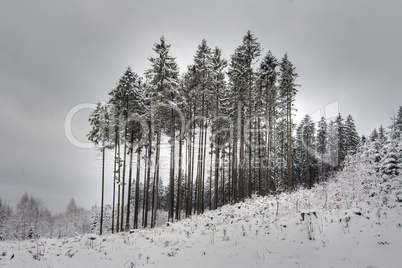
x: 352, y: 138
x: 218, y: 64
x: 162, y: 77
x: 267, y: 79
x: 99, y: 120
x: 287, y: 94
x: 202, y: 68
x: 322, y: 141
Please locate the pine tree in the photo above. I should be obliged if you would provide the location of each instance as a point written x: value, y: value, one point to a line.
x: 352, y: 138
x: 99, y: 121
x: 162, y: 77
x: 288, y: 92
x: 307, y: 135
x: 322, y: 141
x: 202, y: 68
x: 241, y: 74
x: 342, y: 139
x: 267, y: 79
x: 218, y: 64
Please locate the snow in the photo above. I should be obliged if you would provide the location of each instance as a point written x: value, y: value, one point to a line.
x: 348, y: 229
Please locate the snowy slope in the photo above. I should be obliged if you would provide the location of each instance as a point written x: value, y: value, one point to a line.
x: 348, y: 229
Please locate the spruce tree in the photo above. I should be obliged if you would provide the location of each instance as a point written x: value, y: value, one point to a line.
x: 322, y: 141
x: 162, y: 77
x: 352, y: 138
x: 99, y: 120
x: 266, y: 81
x: 288, y: 92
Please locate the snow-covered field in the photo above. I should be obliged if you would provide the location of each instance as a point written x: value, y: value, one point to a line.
x: 346, y: 230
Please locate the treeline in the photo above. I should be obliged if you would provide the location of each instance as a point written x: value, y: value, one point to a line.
x: 31, y: 219
x: 230, y: 132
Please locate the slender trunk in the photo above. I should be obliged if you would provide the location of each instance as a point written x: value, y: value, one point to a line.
x: 156, y: 185
x: 129, y: 181
x: 124, y: 174
x: 145, y: 187
x: 250, y: 139
x: 179, y: 179
x: 137, y: 189
x: 223, y: 179
x: 234, y: 161
x: 229, y: 174
x: 171, y: 177
x: 192, y: 173
x: 241, y: 156
x: 210, y: 180
x: 203, y: 168
x: 116, y: 163
x: 200, y: 172
x: 216, y: 154
x: 259, y: 158
x: 267, y: 160
x: 289, y: 144
x: 150, y: 134
x: 118, y: 189
x: 103, y: 187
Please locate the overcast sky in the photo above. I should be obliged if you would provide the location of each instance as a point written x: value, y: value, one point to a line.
x: 55, y: 55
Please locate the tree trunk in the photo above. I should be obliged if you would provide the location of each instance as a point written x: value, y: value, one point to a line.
x: 103, y: 187
x: 118, y: 189
x: 129, y: 181
x: 156, y: 185
x: 179, y: 179
x: 124, y: 174
x: 241, y: 156
x: 150, y: 134
x: 171, y: 177
x: 216, y: 196
x: 137, y: 189
x: 116, y: 163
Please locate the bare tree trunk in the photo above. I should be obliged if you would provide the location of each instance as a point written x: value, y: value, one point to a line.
x: 234, y: 162
x: 156, y: 185
x: 250, y: 139
x: 171, y: 177
x: 216, y: 154
x: 118, y: 190
x: 124, y: 175
x: 129, y: 181
x: 210, y: 180
x: 116, y: 163
x: 137, y: 189
x: 289, y: 144
x: 179, y: 179
x: 241, y: 156
x: 145, y: 187
x: 103, y: 187
x: 203, y: 168
x: 149, y: 162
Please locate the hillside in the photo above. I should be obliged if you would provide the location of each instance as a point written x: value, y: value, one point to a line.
x: 342, y: 226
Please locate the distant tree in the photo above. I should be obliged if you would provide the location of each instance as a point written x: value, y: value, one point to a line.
x: 32, y: 218
x: 322, y: 141
x: 2, y: 221
x: 352, y: 138
x: 374, y: 135
x: 306, y: 146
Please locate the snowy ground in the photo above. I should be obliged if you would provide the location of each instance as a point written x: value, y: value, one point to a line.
x: 344, y: 233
